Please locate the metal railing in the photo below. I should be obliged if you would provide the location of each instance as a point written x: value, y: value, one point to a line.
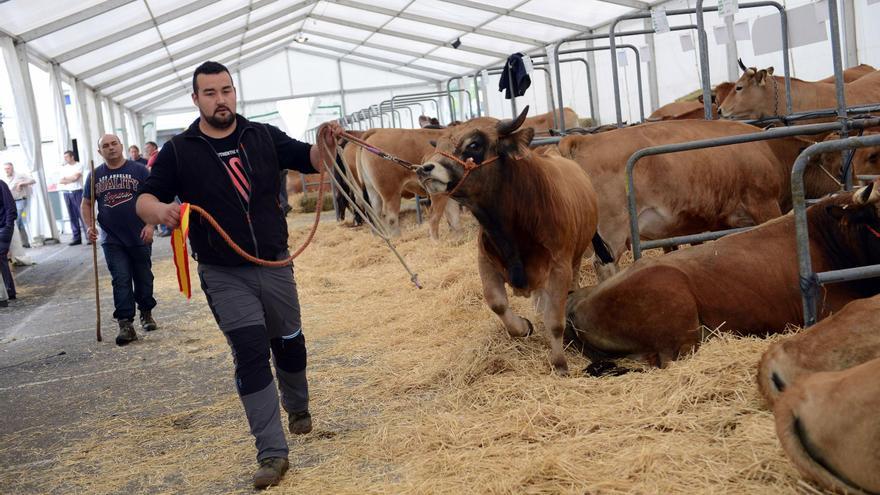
x: 809, y: 280
x: 638, y: 246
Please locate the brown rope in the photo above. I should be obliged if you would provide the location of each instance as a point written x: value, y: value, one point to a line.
x: 286, y: 261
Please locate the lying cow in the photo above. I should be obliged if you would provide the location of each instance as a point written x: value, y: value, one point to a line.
x: 843, y: 340
x: 537, y: 215
x: 678, y: 194
x: 387, y: 182
x: 828, y: 428
x: 746, y: 283
x: 760, y: 94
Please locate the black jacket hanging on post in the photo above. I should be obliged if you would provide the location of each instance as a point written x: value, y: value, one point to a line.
x: 516, y: 68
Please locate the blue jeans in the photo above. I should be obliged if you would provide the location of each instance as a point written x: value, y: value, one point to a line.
x: 20, y: 205
x: 131, y: 269
x: 73, y: 199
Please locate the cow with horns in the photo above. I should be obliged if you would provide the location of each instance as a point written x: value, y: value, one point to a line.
x: 658, y: 307
x: 537, y: 216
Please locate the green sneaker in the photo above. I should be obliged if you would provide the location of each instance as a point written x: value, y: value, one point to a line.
x: 270, y: 472
x: 127, y: 334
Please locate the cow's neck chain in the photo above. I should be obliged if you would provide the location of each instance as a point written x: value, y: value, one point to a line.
x: 775, y: 97
x: 469, y: 166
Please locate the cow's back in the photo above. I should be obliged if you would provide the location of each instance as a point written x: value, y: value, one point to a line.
x: 407, y: 144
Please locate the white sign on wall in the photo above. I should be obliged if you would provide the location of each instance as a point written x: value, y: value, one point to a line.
x: 727, y: 7
x: 659, y: 20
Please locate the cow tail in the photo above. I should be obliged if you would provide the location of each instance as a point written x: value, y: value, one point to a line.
x: 602, y: 250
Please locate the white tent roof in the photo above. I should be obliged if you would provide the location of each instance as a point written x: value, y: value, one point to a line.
x: 141, y: 53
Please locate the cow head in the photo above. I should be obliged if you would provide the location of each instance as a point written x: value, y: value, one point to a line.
x: 755, y: 95
x: 858, y: 221
x: 426, y: 122
x: 482, y: 140
x: 865, y: 161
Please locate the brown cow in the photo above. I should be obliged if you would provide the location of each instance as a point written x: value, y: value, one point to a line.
x: 866, y: 161
x: 843, y: 340
x: 544, y: 122
x: 387, y: 182
x: 760, y: 94
x: 828, y: 428
x: 746, y: 283
x: 678, y: 193
x: 693, y: 109
x: 537, y: 216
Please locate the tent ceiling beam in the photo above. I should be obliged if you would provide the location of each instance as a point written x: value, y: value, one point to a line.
x: 174, y: 93
x: 383, y: 60
x: 189, y: 33
x: 131, y: 30
x: 230, y: 39
x: 411, y: 37
x: 440, y: 23
x: 70, y: 20
x: 279, y: 41
x: 273, y: 99
x: 400, y: 51
x: 364, y: 64
x: 519, y: 15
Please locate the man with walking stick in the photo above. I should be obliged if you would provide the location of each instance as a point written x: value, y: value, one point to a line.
x: 125, y: 239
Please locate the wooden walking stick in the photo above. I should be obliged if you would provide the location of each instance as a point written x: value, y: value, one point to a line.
x: 94, y: 246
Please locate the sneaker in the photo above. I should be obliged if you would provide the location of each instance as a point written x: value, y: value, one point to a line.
x: 127, y: 334
x: 299, y: 423
x: 270, y: 472
x: 147, y: 321
x: 75, y: 242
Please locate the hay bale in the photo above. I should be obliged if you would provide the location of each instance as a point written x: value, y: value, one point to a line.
x: 307, y: 202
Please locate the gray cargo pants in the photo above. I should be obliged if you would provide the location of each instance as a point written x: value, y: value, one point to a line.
x: 257, y: 309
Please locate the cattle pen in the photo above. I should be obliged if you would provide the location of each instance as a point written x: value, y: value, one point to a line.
x: 416, y: 384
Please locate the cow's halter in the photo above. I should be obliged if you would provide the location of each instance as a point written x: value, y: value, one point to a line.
x: 469, y: 166
x: 871, y: 229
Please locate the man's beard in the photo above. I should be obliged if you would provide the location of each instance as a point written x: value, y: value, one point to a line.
x: 219, y: 122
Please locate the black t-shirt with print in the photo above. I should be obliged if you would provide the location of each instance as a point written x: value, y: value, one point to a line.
x: 230, y: 154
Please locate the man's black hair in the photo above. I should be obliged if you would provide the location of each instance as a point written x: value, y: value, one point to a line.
x: 69, y: 152
x: 153, y: 143
x: 209, y: 67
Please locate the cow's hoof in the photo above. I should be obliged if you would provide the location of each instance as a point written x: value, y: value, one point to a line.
x: 605, y: 368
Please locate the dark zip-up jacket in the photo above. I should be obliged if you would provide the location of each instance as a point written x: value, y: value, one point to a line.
x: 189, y: 168
x: 8, y: 214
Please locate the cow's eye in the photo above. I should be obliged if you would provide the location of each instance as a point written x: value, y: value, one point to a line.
x: 739, y: 88
x: 473, y: 145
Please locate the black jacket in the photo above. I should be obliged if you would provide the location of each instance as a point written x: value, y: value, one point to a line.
x: 8, y: 214
x: 189, y: 168
x: 515, y: 68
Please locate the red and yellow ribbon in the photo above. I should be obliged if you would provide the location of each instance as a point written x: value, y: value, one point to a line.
x: 181, y: 256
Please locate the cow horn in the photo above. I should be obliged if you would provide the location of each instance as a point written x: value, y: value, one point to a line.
x: 866, y: 195
x: 508, y: 126
x: 741, y: 64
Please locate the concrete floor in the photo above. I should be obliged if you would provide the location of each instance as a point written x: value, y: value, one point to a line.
x: 54, y: 374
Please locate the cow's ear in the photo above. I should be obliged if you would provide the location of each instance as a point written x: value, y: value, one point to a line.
x: 514, y: 144
x: 761, y: 77
x: 770, y: 71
